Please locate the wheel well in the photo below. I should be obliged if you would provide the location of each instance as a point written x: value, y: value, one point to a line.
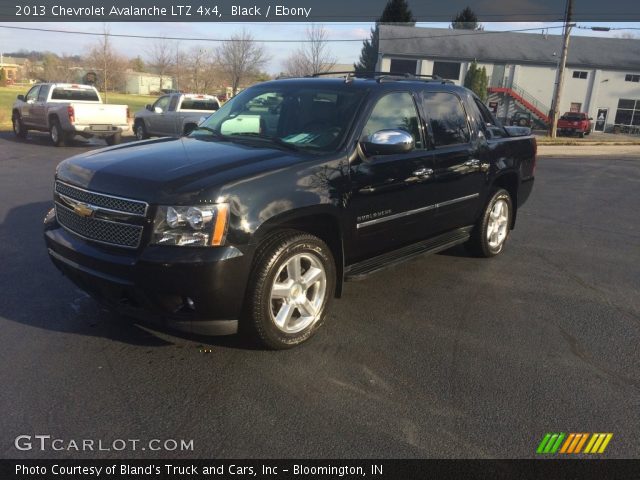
x: 509, y: 181
x: 326, y: 228
x: 52, y: 117
x: 15, y: 112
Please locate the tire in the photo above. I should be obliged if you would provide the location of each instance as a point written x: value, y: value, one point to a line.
x: 114, y: 139
x: 19, y: 129
x: 56, y: 134
x: 492, y: 230
x: 141, y: 131
x: 282, y: 310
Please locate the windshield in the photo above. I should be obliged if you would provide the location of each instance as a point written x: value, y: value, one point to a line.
x: 301, y: 117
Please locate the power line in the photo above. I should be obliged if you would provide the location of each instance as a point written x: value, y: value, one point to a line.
x: 303, y: 40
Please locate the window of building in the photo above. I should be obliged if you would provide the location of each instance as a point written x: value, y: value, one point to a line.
x: 447, y: 70
x: 403, y: 66
x: 395, y: 111
x: 628, y: 112
x: 632, y: 78
x: 447, y: 118
x: 580, y: 74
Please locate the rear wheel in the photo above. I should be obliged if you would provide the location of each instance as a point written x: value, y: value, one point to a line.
x: 56, y: 134
x: 291, y: 287
x: 491, y: 231
x: 114, y: 139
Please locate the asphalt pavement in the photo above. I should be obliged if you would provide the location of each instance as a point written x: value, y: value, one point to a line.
x: 444, y: 356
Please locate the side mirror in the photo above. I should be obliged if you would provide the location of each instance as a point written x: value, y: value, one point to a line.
x: 21, y: 97
x: 388, y: 142
x: 148, y: 107
x: 157, y: 110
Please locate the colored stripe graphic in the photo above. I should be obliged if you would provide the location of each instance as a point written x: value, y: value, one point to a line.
x: 572, y: 443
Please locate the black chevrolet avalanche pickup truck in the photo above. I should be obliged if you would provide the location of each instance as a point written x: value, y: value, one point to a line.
x: 254, y: 220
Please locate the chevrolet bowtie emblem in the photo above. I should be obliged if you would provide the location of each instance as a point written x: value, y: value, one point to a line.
x: 83, y: 209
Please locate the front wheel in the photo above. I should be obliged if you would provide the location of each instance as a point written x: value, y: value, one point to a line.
x: 141, y: 131
x: 292, y: 284
x: 491, y: 231
x: 18, y: 127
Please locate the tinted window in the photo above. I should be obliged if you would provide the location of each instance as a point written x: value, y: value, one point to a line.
x: 162, y: 103
x: 44, y: 91
x: 74, y: 94
x: 448, y: 70
x: 198, y: 104
x: 305, y: 116
x: 447, y: 118
x: 395, y: 111
x: 174, y: 103
x: 33, y: 93
x: 403, y: 66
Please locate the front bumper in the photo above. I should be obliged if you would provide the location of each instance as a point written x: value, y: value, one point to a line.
x: 195, y: 290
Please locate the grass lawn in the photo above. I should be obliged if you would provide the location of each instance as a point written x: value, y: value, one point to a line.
x: 8, y: 96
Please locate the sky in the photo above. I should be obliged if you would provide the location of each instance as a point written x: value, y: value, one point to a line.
x: 343, y: 52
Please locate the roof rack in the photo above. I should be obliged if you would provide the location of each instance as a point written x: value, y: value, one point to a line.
x: 384, y: 76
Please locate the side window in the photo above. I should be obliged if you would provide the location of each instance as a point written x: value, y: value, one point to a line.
x: 44, y: 93
x: 491, y: 125
x: 33, y: 93
x: 162, y: 103
x: 174, y: 103
x: 447, y: 118
x: 395, y: 111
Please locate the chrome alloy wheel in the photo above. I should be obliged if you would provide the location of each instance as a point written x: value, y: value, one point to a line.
x: 297, y: 293
x: 498, y: 225
x: 55, y: 135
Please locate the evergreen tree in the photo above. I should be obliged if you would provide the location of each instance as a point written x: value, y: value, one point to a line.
x: 3, y: 78
x: 396, y: 12
x: 477, y: 81
x: 466, y: 20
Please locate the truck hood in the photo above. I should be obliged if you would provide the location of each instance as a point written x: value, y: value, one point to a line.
x: 169, y: 169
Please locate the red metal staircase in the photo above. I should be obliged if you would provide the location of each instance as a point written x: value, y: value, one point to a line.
x: 528, y: 101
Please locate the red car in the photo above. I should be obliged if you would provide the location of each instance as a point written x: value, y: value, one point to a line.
x: 573, y: 123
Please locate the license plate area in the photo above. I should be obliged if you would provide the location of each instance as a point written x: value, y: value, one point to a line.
x: 100, y: 128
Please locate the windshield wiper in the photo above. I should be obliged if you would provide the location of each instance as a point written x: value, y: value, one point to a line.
x: 275, y: 140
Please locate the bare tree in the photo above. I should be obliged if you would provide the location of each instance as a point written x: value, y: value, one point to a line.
x: 240, y: 57
x: 161, y: 56
x: 313, y: 57
x: 103, y: 58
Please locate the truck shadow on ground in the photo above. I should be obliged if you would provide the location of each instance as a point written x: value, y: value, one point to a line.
x: 37, y: 295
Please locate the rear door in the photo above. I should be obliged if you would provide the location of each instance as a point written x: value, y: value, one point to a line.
x: 38, y: 109
x: 459, y: 172
x: 392, y: 195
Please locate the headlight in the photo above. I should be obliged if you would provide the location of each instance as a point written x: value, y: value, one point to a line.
x: 199, y: 226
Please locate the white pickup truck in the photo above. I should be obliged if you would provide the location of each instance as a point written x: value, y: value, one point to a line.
x: 66, y: 110
x: 174, y: 115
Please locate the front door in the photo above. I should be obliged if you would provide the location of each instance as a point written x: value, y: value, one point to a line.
x: 601, y: 119
x: 25, y: 108
x: 459, y: 169
x: 392, y: 199
x: 157, y: 121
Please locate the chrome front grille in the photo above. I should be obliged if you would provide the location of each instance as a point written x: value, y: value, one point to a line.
x: 99, y: 230
x: 109, y: 202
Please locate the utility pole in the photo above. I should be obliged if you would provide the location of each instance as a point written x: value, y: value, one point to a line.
x: 557, y: 92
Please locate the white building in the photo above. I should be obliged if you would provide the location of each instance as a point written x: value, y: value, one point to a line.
x: 602, y: 76
x: 140, y: 83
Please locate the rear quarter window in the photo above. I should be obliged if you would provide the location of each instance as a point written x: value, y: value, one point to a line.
x: 198, y: 104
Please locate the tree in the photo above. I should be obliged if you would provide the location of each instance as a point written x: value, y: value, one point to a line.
x: 240, y: 57
x: 137, y: 64
x: 466, y: 20
x: 477, y: 81
x: 396, y: 12
x: 3, y: 78
x: 103, y: 58
x: 161, y: 58
x: 313, y: 57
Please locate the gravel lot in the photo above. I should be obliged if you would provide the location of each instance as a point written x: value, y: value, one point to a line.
x: 445, y: 356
